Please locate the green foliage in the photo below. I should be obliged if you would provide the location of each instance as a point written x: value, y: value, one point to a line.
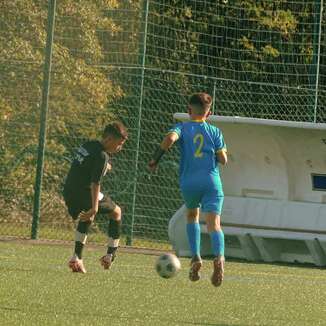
x: 207, y: 38
x: 81, y: 92
x: 268, y: 50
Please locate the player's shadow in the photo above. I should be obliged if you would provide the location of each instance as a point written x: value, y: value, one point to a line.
x: 309, y: 266
x: 276, y: 263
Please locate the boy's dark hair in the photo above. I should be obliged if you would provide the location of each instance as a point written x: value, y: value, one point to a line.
x: 200, y: 102
x: 115, y: 129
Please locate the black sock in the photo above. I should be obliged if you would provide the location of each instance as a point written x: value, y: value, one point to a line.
x: 112, y: 250
x: 114, y: 229
x: 79, y: 249
x: 82, y: 228
x: 114, y: 236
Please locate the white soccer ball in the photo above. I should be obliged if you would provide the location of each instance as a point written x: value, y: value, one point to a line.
x: 167, y: 265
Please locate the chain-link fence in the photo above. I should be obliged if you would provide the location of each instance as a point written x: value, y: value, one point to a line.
x: 139, y: 61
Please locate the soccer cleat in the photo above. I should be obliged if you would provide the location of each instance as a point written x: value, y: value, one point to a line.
x: 195, y: 265
x: 218, y: 272
x: 107, y: 260
x: 76, y: 265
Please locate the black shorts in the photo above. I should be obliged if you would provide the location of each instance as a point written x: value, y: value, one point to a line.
x: 83, y: 202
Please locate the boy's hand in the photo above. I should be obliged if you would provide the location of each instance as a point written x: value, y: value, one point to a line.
x: 152, y: 165
x: 108, y: 167
x: 87, y: 216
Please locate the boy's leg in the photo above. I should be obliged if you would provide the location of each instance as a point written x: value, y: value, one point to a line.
x: 216, y: 234
x: 114, y: 231
x: 212, y: 210
x: 76, y: 262
x: 81, y: 237
x: 192, y: 202
x: 75, y: 206
x: 217, y: 241
x: 193, y: 233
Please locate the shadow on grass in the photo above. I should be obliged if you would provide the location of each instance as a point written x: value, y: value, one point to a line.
x: 281, y: 264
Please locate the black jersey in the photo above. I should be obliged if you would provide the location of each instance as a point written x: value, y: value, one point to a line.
x: 89, y: 166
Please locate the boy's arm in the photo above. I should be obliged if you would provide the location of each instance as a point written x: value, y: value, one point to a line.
x: 165, y: 145
x: 220, y: 147
x: 99, y: 169
x: 95, y: 191
x: 89, y: 215
x: 222, y: 156
x: 169, y: 140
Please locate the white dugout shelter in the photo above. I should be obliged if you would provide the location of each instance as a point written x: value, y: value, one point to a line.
x: 275, y: 192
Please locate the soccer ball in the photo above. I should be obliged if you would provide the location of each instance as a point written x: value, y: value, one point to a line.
x: 167, y: 265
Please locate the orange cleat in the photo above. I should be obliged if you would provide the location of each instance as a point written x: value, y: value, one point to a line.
x: 218, y: 272
x: 76, y: 265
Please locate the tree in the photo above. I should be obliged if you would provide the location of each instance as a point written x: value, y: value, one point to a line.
x: 80, y: 97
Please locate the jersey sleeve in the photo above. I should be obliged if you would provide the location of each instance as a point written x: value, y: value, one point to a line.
x: 177, y: 128
x: 219, y: 141
x: 99, y: 168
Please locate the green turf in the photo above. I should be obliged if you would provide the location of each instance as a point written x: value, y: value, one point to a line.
x: 36, y: 288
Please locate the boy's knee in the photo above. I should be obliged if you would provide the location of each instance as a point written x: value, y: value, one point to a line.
x: 213, y: 222
x: 116, y: 214
x: 192, y: 215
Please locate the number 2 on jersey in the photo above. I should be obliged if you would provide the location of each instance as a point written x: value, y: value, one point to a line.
x: 199, y: 141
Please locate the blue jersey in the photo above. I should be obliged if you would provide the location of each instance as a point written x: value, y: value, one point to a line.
x: 199, y: 142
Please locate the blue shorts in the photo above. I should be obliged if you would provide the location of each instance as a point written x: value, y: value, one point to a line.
x: 209, y: 201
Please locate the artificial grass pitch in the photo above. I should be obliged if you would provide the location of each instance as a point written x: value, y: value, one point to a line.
x: 37, y: 288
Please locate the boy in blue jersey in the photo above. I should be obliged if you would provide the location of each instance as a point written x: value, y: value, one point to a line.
x: 202, y: 148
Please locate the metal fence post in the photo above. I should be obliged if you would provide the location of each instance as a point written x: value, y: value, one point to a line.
x: 44, y: 111
x: 143, y: 62
x: 214, y: 97
x: 317, y: 45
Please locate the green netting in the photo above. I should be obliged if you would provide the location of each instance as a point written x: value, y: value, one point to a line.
x: 139, y: 61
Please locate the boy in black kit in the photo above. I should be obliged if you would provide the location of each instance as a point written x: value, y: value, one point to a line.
x: 83, y: 196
